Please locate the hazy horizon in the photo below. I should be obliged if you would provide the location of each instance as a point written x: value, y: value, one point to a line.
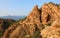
x: 20, y: 7
x: 13, y: 15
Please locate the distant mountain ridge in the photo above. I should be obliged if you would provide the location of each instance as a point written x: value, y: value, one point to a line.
x: 12, y: 17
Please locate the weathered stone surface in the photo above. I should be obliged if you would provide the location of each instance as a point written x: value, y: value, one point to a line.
x: 50, y: 12
x: 52, y: 31
x: 36, y: 20
x: 28, y: 26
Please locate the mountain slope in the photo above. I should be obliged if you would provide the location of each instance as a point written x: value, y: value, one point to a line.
x: 35, y: 23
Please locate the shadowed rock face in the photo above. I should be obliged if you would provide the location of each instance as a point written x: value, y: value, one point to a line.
x: 36, y: 20
x: 50, y: 12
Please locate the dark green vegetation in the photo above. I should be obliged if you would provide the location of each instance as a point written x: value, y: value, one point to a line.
x: 1, y: 33
x: 22, y: 19
x: 7, y: 23
x: 36, y: 35
x: 4, y: 24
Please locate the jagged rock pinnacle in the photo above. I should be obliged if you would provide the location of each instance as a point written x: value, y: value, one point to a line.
x: 36, y: 20
x: 35, y: 7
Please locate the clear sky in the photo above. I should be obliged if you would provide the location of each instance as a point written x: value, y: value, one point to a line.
x: 20, y: 7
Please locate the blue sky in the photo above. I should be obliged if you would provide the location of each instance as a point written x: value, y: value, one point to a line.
x: 20, y: 7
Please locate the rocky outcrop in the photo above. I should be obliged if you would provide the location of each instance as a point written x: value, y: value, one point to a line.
x: 38, y: 20
x: 28, y: 27
x: 52, y: 31
x: 53, y: 11
x: 50, y: 12
x: 10, y: 30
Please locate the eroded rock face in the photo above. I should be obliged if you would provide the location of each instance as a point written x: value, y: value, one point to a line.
x: 54, y: 12
x: 52, y: 31
x: 10, y: 30
x: 28, y: 27
x: 50, y: 12
x: 37, y: 20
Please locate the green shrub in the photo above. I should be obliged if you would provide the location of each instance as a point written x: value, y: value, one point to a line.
x: 21, y: 19
x: 36, y: 35
x: 1, y: 33
x: 7, y: 23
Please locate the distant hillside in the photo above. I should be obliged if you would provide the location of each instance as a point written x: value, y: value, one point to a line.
x: 12, y: 17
